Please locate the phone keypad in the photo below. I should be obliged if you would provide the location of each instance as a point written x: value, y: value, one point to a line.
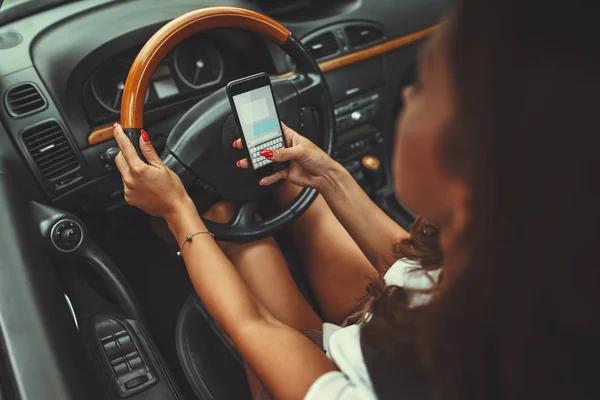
x: 260, y: 161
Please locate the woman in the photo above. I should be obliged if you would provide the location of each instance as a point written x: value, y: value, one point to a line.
x: 498, y: 146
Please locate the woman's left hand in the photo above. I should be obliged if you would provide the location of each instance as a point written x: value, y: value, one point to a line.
x: 152, y: 187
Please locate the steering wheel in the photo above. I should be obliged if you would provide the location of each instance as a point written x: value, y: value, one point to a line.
x: 199, y: 148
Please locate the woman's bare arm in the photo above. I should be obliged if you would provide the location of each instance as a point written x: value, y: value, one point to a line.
x: 373, y: 230
x: 285, y: 361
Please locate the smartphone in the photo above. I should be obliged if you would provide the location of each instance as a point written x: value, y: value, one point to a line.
x: 257, y: 119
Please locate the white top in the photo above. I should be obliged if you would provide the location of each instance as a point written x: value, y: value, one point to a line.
x: 352, y: 381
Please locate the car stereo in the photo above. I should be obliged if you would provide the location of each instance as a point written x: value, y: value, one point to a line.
x: 357, y: 111
x: 359, y: 143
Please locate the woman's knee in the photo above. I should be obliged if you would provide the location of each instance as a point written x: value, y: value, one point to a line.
x: 221, y: 212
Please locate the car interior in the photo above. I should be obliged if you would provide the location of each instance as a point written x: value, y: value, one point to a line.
x: 94, y: 301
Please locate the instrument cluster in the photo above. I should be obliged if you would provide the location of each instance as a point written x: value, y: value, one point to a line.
x: 196, y: 65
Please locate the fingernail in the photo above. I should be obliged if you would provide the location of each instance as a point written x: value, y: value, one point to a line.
x: 239, y: 164
x: 145, y: 136
x: 266, y: 153
x: 234, y: 143
x: 115, y: 125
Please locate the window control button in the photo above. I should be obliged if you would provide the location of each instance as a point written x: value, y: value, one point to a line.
x: 135, y: 382
x: 108, y: 343
x: 119, y: 366
x: 123, y: 338
x: 135, y: 361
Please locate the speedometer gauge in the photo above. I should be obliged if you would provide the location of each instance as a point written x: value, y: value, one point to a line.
x: 198, y: 63
x: 108, y: 84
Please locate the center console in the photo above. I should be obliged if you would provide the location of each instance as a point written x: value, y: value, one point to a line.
x: 363, y: 136
x: 358, y: 139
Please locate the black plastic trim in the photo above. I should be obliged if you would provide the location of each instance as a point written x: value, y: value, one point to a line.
x: 339, y: 32
x: 40, y: 343
x: 37, y: 110
x: 123, y: 305
x: 109, y: 325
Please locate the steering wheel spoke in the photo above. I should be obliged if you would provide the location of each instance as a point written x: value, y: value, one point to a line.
x: 309, y: 88
x: 243, y: 221
x: 245, y: 215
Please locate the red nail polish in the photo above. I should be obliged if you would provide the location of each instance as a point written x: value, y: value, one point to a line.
x: 266, y: 153
x: 115, y: 125
x: 239, y: 164
x: 145, y: 136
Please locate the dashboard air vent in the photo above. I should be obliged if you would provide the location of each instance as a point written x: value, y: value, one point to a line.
x: 50, y: 150
x: 322, y: 46
x: 24, y: 99
x: 363, y: 35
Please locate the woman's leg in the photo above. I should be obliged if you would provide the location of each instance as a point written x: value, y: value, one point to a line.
x: 336, y: 268
x: 265, y: 271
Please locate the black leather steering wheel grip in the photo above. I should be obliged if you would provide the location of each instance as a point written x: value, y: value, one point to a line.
x: 134, y: 135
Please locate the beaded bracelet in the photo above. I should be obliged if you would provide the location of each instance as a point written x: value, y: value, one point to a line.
x: 189, y: 240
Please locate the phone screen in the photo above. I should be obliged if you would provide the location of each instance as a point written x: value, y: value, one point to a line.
x: 260, y: 124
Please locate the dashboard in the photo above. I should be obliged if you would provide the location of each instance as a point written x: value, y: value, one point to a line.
x: 63, y: 71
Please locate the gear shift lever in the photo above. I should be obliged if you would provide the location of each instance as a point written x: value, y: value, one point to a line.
x: 373, y: 171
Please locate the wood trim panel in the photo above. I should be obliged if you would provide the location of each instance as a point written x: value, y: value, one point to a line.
x: 173, y: 33
x: 100, y: 135
x: 105, y: 133
x: 375, y: 51
x: 284, y: 75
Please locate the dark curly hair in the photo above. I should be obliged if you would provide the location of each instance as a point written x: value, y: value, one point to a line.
x: 394, y: 327
x: 523, y: 319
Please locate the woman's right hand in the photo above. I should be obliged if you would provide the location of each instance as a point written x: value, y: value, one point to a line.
x: 309, y: 165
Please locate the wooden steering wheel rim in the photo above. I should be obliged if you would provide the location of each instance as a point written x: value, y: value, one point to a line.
x: 173, y: 33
